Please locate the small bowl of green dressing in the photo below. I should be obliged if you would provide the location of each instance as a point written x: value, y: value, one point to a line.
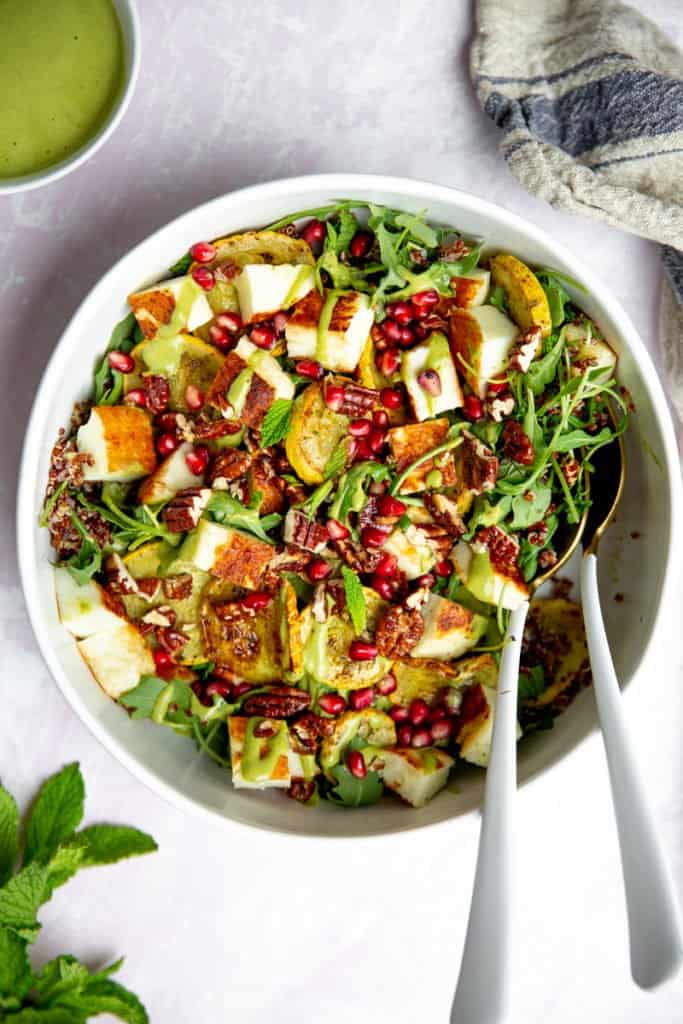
x: 67, y: 73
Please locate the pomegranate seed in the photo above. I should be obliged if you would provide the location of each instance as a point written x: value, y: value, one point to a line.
x: 197, y: 460
x: 442, y: 729
x: 257, y: 600
x: 166, y: 421
x: 204, y: 278
x: 332, y: 703
x: 231, y: 322
x: 362, y: 650
x: 121, y: 361
x: 380, y: 419
x: 407, y: 337
x: 388, y: 362
x: 223, y: 690
x: 166, y: 443
x: 421, y: 738
x: 361, y: 450
x: 387, y: 565
x: 318, y: 569
x: 496, y: 387
x: 361, y: 244
x: 377, y: 440
x: 373, y: 536
x: 163, y: 662
x: 399, y: 713
x: 392, y: 330
x: 279, y: 323
x: 334, y: 396
x: 472, y: 407
x: 240, y: 689
x: 387, y: 684
x: 360, y: 428
x: 391, y: 398
x: 437, y: 713
x: 404, y: 735
x: 401, y: 312
x: 388, y: 505
x: 314, y: 232
x: 220, y: 336
x: 444, y: 568
x: 262, y: 336
x: 363, y: 698
x: 309, y: 368
x: 337, y: 530
x: 136, y: 396
x: 427, y: 579
x: 386, y: 588
x: 203, y: 252
x: 425, y: 300
x: 418, y: 711
x: 430, y: 381
x: 194, y: 398
x: 355, y: 762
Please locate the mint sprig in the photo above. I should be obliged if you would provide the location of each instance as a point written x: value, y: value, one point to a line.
x: 277, y: 422
x: 355, y: 599
x: 64, y: 991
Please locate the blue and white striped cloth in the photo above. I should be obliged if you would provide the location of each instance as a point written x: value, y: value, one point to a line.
x: 589, y: 94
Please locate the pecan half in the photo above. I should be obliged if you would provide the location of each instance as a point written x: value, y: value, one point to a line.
x: 178, y: 587
x: 306, y: 731
x: 445, y: 511
x: 439, y: 539
x: 503, y: 550
x: 290, y: 560
x: 358, y: 400
x: 516, y: 444
x: 228, y: 466
x: 358, y: 558
x: 525, y: 348
x: 570, y: 470
x: 184, y: 511
x: 398, y: 631
x: 304, y: 532
x: 500, y: 406
x: 479, y: 465
x: 210, y: 430
x: 301, y: 790
x: 279, y: 702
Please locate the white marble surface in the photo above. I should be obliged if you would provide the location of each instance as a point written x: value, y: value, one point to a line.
x: 233, y: 925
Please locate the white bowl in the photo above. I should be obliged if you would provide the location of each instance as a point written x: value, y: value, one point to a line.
x: 130, y: 27
x: 642, y: 569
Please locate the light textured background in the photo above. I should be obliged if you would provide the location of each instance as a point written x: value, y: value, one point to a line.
x: 223, y: 925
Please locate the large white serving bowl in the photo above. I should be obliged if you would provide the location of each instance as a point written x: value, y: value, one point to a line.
x: 641, y: 568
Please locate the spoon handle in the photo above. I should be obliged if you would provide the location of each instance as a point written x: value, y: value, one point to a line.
x: 654, y: 921
x: 482, y: 994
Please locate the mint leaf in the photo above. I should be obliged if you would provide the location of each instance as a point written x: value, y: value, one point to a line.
x: 63, y: 974
x: 20, y: 900
x: 107, y: 997
x: 9, y: 834
x: 353, y: 792
x: 16, y: 976
x: 181, y: 266
x: 66, y: 861
x: 106, y: 844
x: 141, y: 700
x: 47, y: 1015
x: 56, y: 813
x: 355, y: 599
x: 531, y: 683
x: 277, y: 422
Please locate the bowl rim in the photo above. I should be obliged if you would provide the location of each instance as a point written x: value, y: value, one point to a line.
x: 336, y: 184
x: 129, y: 20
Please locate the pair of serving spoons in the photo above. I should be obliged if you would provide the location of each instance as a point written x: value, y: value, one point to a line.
x: 482, y: 995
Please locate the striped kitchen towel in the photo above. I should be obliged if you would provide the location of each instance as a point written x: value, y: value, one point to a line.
x: 589, y: 94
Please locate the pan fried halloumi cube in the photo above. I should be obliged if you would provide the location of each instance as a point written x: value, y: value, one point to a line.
x: 118, y: 439
x: 267, y: 367
x: 434, y: 356
x: 472, y: 289
x: 332, y: 329
x: 179, y: 304
x: 409, y: 442
x: 85, y: 609
x: 412, y: 550
x: 475, y: 735
x: 117, y: 658
x: 226, y: 553
x: 259, y: 762
x: 248, y: 383
x: 171, y: 476
x: 450, y: 629
x: 481, y: 341
x: 491, y: 579
x: 264, y: 289
x: 415, y: 775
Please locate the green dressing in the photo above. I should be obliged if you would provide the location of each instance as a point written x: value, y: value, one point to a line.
x: 239, y: 389
x: 321, y: 348
x: 260, y: 754
x: 316, y: 662
x: 61, y: 74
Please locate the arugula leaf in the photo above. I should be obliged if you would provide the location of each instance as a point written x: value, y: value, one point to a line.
x: 88, y: 559
x: 542, y: 371
x: 56, y: 812
x: 16, y: 976
x: 348, y: 226
x: 355, y: 599
x: 498, y: 298
x: 350, y: 495
x: 315, y: 500
x: 131, y: 530
x: 302, y: 588
x: 353, y: 792
x: 9, y: 834
x: 526, y: 513
x: 581, y: 439
x: 277, y: 422
x: 225, y: 509
x: 531, y: 683
x: 141, y: 699
x: 181, y: 266
x: 417, y: 229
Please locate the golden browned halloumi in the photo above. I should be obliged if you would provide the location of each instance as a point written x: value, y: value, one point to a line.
x: 276, y: 775
x: 118, y: 439
x: 180, y: 300
x: 413, y: 440
x: 117, y: 658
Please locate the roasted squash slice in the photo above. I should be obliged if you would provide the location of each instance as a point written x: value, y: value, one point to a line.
x: 250, y: 646
x: 314, y: 434
x: 424, y: 678
x: 182, y: 360
x: 557, y: 624
x: 261, y: 247
x: 526, y: 298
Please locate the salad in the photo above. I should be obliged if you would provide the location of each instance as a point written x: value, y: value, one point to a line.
x: 320, y: 464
